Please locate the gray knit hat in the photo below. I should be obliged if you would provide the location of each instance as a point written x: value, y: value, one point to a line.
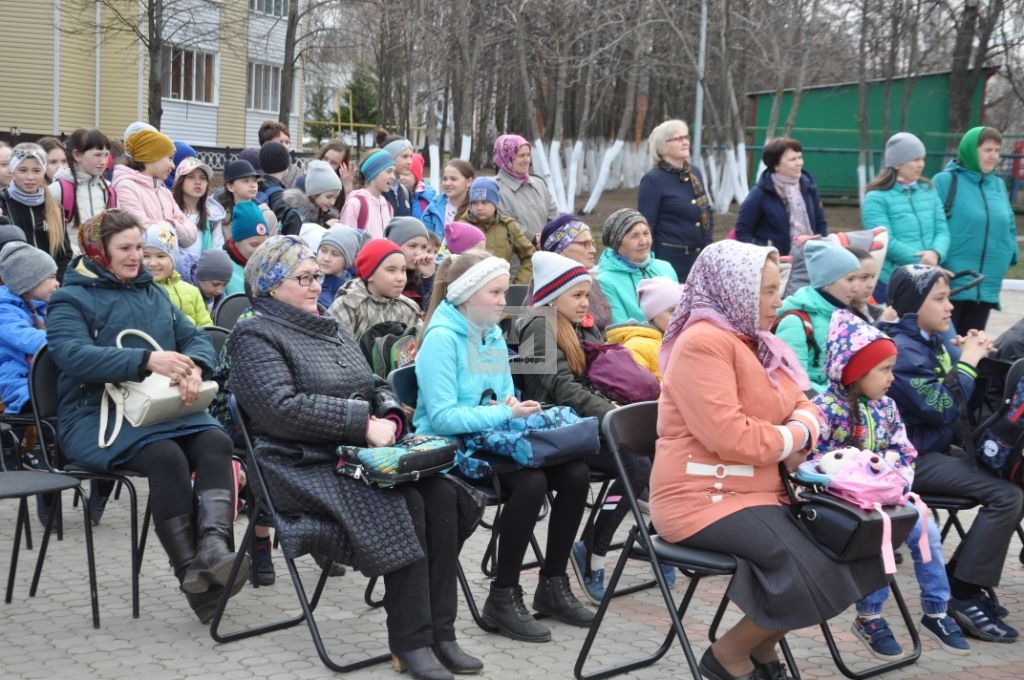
x: 23, y: 267
x: 321, y: 178
x: 402, y: 229
x: 347, y: 240
x: 11, y: 232
x: 617, y: 224
x: 901, y: 148
x: 214, y: 265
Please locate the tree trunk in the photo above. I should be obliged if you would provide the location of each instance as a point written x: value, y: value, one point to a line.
x: 284, y: 111
x: 801, y: 77
x: 862, y: 110
x: 155, y: 30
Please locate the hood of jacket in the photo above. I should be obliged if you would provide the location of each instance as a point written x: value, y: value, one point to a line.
x: 86, y: 273
x: 215, y: 210
x: 9, y: 298
x: 809, y: 300
x: 610, y: 261
x: 125, y: 175
x: 296, y: 199
x: 847, y: 335
x: 355, y: 293
x: 80, y: 177
x: 624, y: 334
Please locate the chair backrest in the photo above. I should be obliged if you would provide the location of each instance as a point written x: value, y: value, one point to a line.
x: 43, y: 385
x: 229, y: 309
x: 218, y: 335
x: 516, y: 295
x: 403, y: 384
x: 632, y: 428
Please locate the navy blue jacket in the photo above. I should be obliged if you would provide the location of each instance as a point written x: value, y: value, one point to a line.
x: 667, y: 204
x: 398, y: 197
x: 764, y: 220
x: 930, y: 397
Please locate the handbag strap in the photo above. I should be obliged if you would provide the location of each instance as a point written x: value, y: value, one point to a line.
x: 139, y: 334
x: 111, y: 392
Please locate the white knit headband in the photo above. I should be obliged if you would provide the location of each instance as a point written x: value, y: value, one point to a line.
x: 475, y: 278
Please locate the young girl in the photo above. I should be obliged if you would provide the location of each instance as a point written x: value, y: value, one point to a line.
x: 366, y: 208
x: 453, y: 199
x: 658, y: 297
x: 336, y: 256
x: 401, y: 151
x: 5, y: 165
x: 56, y: 156
x: 159, y: 251
x: 338, y: 155
x: 249, y: 229
x: 82, y: 189
x: 28, y: 204
x: 315, y: 203
x: 139, y: 184
x: 30, y: 277
x: 467, y: 304
x: 902, y: 200
x: 241, y: 183
x: 376, y: 295
x: 210, y: 274
x: 458, y: 238
x: 191, y: 191
x: 564, y: 284
x: 855, y: 411
x: 505, y: 239
x: 863, y: 303
x: 413, y: 238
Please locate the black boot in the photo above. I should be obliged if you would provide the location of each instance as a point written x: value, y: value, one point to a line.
x: 455, y: 659
x: 205, y: 604
x: 261, y: 569
x: 554, y: 598
x: 99, y: 494
x: 214, y: 558
x: 179, y: 541
x: 505, y: 611
x: 421, y: 664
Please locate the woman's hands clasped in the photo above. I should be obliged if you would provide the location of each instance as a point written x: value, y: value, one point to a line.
x: 183, y: 372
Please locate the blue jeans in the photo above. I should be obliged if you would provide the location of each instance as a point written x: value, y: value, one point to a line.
x: 931, y: 576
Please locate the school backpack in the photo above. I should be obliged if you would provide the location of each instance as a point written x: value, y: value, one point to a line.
x: 388, y: 345
x: 67, y: 198
x: 1000, y: 444
x: 805, y: 319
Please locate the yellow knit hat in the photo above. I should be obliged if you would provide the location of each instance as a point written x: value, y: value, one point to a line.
x: 147, y: 146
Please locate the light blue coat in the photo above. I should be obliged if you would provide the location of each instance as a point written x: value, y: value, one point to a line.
x: 19, y: 342
x: 915, y: 219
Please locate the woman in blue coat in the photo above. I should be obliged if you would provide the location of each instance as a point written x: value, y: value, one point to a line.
x: 107, y: 290
x: 908, y: 206
x: 982, y: 231
x: 785, y: 203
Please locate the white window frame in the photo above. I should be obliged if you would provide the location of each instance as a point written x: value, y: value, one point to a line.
x: 202, y: 65
x: 272, y: 8
x: 260, y: 77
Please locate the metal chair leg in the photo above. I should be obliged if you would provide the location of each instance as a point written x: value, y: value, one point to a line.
x: 368, y: 595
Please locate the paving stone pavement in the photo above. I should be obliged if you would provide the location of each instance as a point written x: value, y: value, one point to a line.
x: 50, y: 635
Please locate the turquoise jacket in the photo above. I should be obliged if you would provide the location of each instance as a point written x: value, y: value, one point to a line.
x: 619, y: 282
x: 982, y: 231
x: 915, y: 219
x: 791, y: 331
x: 455, y: 364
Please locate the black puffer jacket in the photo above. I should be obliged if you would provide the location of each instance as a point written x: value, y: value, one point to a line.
x: 307, y: 388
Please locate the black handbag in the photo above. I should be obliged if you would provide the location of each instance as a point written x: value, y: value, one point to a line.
x: 842, y: 530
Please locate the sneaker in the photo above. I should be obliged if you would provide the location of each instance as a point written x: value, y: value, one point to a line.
x: 998, y: 610
x: 261, y: 568
x: 947, y: 633
x: 592, y: 583
x: 877, y: 637
x: 670, y: 575
x: 978, y: 620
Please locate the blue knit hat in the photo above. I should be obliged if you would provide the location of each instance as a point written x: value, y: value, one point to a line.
x: 828, y: 262
x: 162, y: 236
x: 247, y: 221
x: 376, y: 163
x: 485, y: 189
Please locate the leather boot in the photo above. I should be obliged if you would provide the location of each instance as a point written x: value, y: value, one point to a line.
x: 455, y: 659
x: 205, y: 604
x: 179, y: 541
x: 554, y: 598
x: 421, y: 664
x: 505, y: 611
x: 212, y: 564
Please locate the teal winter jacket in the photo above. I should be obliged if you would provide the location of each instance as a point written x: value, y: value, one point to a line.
x: 619, y: 282
x: 791, y: 331
x: 915, y: 219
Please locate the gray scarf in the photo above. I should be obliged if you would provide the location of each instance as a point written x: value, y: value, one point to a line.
x: 33, y: 200
x: 788, y: 189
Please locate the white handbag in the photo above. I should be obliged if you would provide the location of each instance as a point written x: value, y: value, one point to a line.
x: 152, y: 401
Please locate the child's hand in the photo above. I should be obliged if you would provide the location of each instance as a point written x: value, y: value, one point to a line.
x: 425, y: 265
x: 524, y: 408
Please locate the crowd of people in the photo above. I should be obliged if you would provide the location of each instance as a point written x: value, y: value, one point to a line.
x: 879, y: 355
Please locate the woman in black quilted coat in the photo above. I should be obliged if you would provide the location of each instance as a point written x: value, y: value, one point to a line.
x: 306, y: 387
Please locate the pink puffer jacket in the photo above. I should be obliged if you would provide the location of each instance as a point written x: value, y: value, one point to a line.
x: 152, y: 202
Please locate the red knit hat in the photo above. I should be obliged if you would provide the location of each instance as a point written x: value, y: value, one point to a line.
x: 372, y: 254
x: 864, y: 361
x: 418, y: 163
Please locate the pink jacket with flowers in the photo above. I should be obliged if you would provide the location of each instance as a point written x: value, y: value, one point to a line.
x: 152, y: 202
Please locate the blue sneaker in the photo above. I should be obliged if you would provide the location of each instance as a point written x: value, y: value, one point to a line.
x: 593, y: 584
x: 877, y: 637
x: 978, y: 619
x: 947, y: 633
x: 670, y: 575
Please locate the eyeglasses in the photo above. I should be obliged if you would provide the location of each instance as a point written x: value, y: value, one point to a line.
x: 306, y: 280
x: 681, y: 138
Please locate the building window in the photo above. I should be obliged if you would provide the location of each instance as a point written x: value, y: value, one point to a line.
x: 275, y: 8
x: 186, y: 75
x: 264, y: 87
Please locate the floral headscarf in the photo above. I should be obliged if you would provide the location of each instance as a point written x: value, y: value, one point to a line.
x: 724, y: 288
x: 505, y: 149
x: 273, y: 261
x: 89, y: 241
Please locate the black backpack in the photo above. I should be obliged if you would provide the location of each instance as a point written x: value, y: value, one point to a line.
x: 388, y: 345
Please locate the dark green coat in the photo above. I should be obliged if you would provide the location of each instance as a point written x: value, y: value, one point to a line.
x: 85, y: 316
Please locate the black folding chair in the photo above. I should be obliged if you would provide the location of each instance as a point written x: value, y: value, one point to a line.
x: 230, y: 308
x: 218, y: 336
x: 44, y: 397
x: 632, y: 430
x: 261, y: 496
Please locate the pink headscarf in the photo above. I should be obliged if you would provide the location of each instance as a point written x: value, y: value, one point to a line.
x: 505, y: 149
x: 724, y: 289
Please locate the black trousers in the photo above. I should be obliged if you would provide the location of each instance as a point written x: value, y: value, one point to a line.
x: 168, y: 464
x: 968, y: 314
x: 638, y: 472
x: 526, y: 488
x: 979, y: 557
x: 420, y: 599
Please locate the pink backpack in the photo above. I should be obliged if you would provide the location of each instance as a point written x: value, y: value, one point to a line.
x: 67, y: 198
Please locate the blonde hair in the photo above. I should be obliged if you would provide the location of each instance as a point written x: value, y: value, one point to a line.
x: 660, y: 136
x: 52, y: 214
x: 452, y: 268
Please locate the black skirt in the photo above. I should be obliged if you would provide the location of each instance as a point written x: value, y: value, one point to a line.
x: 783, y: 581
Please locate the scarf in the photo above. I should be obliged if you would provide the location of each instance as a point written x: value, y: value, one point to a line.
x: 505, y: 149
x: 90, y: 242
x: 724, y: 289
x: 793, y: 199
x: 700, y: 196
x: 33, y: 200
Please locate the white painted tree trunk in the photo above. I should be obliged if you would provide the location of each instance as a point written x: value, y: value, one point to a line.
x: 467, y: 146
x: 557, y: 182
x: 602, y: 175
x: 862, y: 180
x: 435, y: 167
x: 540, y: 164
x: 741, y: 171
x: 573, y: 173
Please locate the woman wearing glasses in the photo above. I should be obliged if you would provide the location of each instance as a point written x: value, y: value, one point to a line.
x: 303, y: 381
x: 673, y: 200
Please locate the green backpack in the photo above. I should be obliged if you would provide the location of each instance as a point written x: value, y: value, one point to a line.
x: 388, y: 345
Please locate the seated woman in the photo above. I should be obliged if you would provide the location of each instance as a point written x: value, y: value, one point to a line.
x: 626, y: 261
x: 715, y: 484
x: 107, y: 290
x: 303, y: 379
x: 569, y: 236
